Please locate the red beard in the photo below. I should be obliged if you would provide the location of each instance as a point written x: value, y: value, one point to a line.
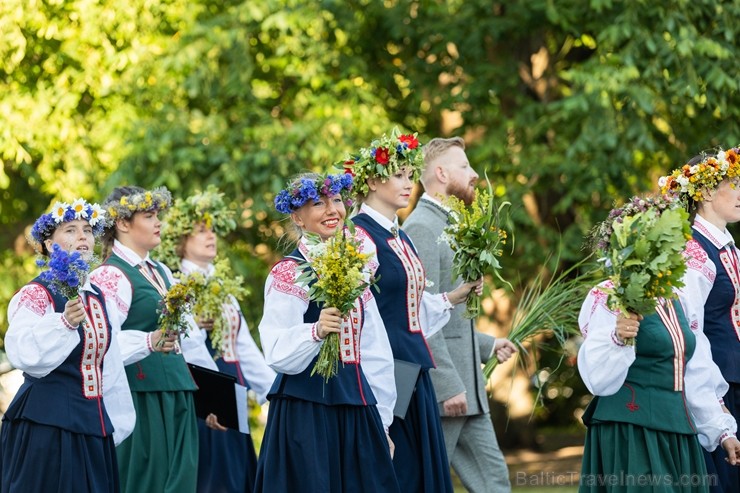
x: 466, y: 193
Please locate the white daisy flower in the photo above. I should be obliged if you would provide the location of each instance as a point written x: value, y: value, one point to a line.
x: 97, y: 215
x: 58, y: 210
x: 79, y: 207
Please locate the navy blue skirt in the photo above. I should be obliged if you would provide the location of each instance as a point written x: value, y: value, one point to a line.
x: 37, y: 457
x: 315, y: 448
x: 227, y: 462
x: 727, y: 477
x: 421, y: 457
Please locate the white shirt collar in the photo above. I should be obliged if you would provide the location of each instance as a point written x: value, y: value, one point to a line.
x: 187, y: 266
x: 380, y: 218
x: 86, y: 286
x: 719, y: 238
x: 129, y: 256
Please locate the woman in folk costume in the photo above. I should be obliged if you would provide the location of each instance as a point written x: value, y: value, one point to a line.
x: 323, y: 436
x: 655, y: 405
x: 60, y: 430
x: 162, y: 452
x: 709, y: 186
x: 384, y: 176
x: 190, y: 233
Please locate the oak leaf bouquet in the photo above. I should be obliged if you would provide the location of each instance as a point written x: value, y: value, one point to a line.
x: 336, y: 276
x: 641, y: 245
x: 475, y: 235
x: 174, y: 308
x: 210, y: 293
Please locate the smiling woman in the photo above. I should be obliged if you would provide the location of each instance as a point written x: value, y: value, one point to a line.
x: 321, y: 434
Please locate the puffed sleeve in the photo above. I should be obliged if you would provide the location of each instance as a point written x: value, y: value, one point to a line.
x: 116, y: 391
x: 377, y: 360
x: 288, y: 342
x: 435, y: 312
x: 251, y: 361
x: 38, y: 339
x: 698, y: 282
x: 712, y: 422
x: 603, y: 361
x: 117, y: 290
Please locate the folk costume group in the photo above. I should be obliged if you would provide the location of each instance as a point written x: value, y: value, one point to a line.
x: 664, y: 415
x: 107, y: 403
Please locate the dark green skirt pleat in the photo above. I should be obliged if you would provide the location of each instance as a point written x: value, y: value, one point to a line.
x: 161, y: 455
x: 625, y: 458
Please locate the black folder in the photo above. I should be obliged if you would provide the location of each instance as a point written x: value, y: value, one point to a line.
x: 220, y: 394
x: 407, y: 374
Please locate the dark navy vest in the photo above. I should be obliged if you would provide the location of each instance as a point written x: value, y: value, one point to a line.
x: 71, y: 396
x: 718, y: 323
x: 349, y: 386
x: 399, y: 299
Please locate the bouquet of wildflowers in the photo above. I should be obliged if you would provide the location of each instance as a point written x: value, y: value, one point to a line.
x: 641, y: 245
x: 66, y: 271
x: 335, y: 277
x: 210, y: 294
x: 176, y: 305
x: 476, y: 238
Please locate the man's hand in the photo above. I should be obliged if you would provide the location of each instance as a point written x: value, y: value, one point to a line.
x: 503, y: 349
x: 457, y: 405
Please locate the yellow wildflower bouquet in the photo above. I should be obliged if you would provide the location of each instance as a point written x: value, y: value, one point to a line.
x: 174, y: 307
x: 335, y: 275
x: 211, y: 293
x: 476, y: 238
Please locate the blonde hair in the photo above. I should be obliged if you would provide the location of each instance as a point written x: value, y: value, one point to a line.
x: 436, y: 147
x: 433, y: 149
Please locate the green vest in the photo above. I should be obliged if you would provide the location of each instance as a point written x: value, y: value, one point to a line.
x: 652, y: 395
x: 159, y: 371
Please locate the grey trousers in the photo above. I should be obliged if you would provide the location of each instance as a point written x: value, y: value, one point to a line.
x: 474, y: 454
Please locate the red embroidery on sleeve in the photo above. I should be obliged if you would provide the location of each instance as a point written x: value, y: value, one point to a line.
x: 35, y: 298
x: 107, y: 279
x: 283, y: 279
x: 697, y: 259
x: 600, y: 297
x: 367, y: 245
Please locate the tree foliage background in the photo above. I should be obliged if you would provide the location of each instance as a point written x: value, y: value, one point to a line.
x: 567, y: 106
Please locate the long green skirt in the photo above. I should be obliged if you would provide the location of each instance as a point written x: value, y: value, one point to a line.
x: 626, y: 458
x: 161, y: 455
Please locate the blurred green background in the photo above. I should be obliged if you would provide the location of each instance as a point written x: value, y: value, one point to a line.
x: 567, y: 106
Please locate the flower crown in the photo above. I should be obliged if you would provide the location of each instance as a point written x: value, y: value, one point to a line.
x: 692, y: 181
x: 157, y: 199
x: 384, y: 158
x: 601, y: 234
x: 207, y: 207
x: 62, y: 212
x: 304, y: 189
